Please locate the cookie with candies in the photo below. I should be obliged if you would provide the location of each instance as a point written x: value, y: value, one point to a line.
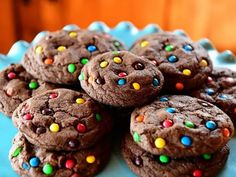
x: 16, y: 86
x: 59, y: 56
x: 62, y: 119
x: 145, y: 164
x: 184, y: 64
x: 29, y: 160
x: 121, y: 79
x: 220, y: 89
x: 180, y: 126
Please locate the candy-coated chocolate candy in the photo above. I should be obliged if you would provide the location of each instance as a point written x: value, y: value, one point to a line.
x: 211, y: 125
x: 103, y: 64
x: 179, y: 86
x: 138, y: 66
x: 48, y: 169
x: 81, y: 76
x: 90, y: 159
x: 197, y: 173
x: 160, y: 143
x: 167, y: 123
x: 136, y: 86
x: 203, y: 63
x: 172, y: 59
x: 11, y: 75
x: 169, y: 48
x: 81, y: 128
x: 73, y: 34
x: 71, y: 68
x: 53, y: 95
x: 84, y: 61
x: 186, y: 72
x: 33, y: 85
x: 170, y: 110
x: 28, y: 116
x: 54, y: 127
x: 226, y: 132
x: 189, y: 124
x: 209, y: 91
x: 91, y: 48
x: 48, y: 61
x: 187, y: 47
x: 80, y: 100
x: 25, y: 166
x: 139, y: 118
x: 136, y: 137
x: 34, y: 162
x: 144, y: 43
x: 117, y: 60
x: 164, y: 159
x: 39, y: 49
x: 17, y: 151
x: 61, y: 48
x: 163, y: 99
x: 98, y: 117
x: 155, y: 82
x: 70, y: 163
x: 122, y: 74
x: 121, y: 82
x: 186, y: 140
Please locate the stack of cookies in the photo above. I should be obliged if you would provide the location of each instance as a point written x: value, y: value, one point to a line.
x: 62, y: 132
x: 181, y: 107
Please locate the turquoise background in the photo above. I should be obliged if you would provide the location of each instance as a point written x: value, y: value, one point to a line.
x: 127, y: 33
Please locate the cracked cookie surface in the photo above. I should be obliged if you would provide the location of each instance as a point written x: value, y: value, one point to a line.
x: 62, y: 119
x: 144, y: 164
x: 121, y: 79
x: 220, y: 89
x: 59, y: 56
x: 29, y: 160
x: 180, y: 126
x: 184, y: 64
x: 16, y: 85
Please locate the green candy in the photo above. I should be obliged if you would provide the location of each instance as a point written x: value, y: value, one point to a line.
x: 98, y: 117
x: 136, y: 137
x: 81, y: 76
x: 164, y: 159
x: 17, y: 152
x: 189, y: 124
x: 71, y: 68
x: 115, y: 52
x: 207, y: 156
x: 169, y: 48
x: 47, y: 169
x: 33, y: 85
x: 116, y: 43
x: 84, y: 61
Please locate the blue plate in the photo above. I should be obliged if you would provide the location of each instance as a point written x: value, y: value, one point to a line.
x: 127, y: 33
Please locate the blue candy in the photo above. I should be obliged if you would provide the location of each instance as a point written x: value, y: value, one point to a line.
x: 211, y: 125
x: 172, y: 59
x: 25, y: 166
x: 155, y: 82
x: 91, y: 48
x: 186, y: 140
x: 170, y: 110
x: 188, y: 47
x: 163, y: 99
x: 121, y: 82
x: 34, y: 162
x: 209, y: 91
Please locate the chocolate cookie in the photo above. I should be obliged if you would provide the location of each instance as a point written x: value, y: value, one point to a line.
x: 180, y: 126
x: 184, y: 64
x: 16, y: 85
x: 29, y: 160
x: 59, y: 56
x: 220, y: 89
x: 144, y: 164
x: 62, y: 119
x: 121, y: 79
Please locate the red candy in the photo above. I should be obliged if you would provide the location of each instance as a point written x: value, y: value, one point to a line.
x: 75, y: 175
x: 28, y: 116
x: 122, y: 74
x: 81, y: 128
x: 11, y: 75
x: 209, y: 79
x: 167, y: 123
x: 70, y: 163
x: 53, y: 95
x: 197, y: 173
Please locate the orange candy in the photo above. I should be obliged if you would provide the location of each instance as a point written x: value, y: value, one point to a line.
x: 234, y: 110
x: 226, y: 132
x: 139, y: 118
x: 179, y: 86
x: 48, y: 61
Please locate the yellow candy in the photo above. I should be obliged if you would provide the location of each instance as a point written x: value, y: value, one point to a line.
x: 103, y: 64
x: 90, y: 79
x: 186, y: 72
x: 203, y: 63
x: 144, y: 43
x: 54, y: 127
x: 117, y: 60
x: 73, y: 34
x: 39, y: 49
x: 90, y: 159
x: 80, y: 100
x: 61, y: 48
x: 160, y: 143
x: 136, y: 86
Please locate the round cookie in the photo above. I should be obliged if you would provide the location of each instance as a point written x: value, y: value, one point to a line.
x: 184, y: 64
x: 121, y: 79
x: 59, y: 56
x: 16, y: 85
x: 220, y: 89
x: 29, y: 160
x: 62, y: 119
x: 180, y: 126
x: 144, y: 164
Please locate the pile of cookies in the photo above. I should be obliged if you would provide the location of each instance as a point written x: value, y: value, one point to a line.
x: 182, y: 108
